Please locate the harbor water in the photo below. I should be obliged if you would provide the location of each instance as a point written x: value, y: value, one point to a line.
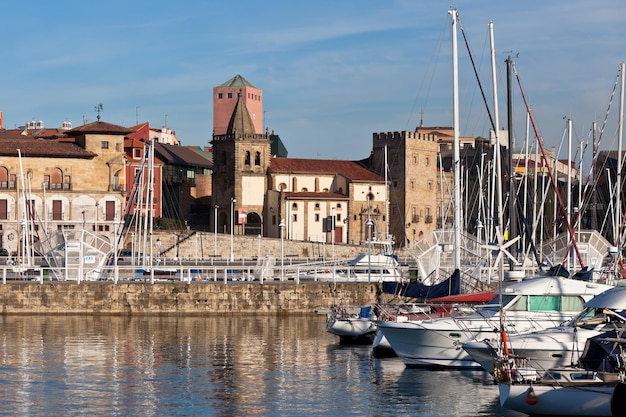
x: 243, y: 365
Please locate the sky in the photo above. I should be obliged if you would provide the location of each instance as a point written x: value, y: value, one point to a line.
x: 332, y: 72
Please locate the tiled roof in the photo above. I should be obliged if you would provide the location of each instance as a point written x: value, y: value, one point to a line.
x: 99, y: 128
x: 179, y: 155
x: 237, y: 81
x: 348, y: 169
x: 46, y: 148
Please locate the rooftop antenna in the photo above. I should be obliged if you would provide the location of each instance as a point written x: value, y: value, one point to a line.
x: 98, y: 109
x: 136, y: 115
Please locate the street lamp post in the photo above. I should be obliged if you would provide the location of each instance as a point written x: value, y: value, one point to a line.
x: 281, y: 225
x: 232, y: 227
x: 215, y: 232
x: 332, y: 231
x: 369, y: 224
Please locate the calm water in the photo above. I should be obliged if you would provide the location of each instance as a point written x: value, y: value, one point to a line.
x: 217, y: 366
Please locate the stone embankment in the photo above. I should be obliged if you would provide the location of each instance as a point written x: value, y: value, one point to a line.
x: 205, y: 245
x: 181, y: 298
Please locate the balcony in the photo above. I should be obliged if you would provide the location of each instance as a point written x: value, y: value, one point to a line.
x: 428, y: 219
x: 415, y: 218
x: 61, y: 186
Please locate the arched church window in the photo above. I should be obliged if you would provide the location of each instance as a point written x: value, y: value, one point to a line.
x: 247, y: 159
x: 257, y: 158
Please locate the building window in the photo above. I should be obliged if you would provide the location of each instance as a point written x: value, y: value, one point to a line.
x: 317, y: 217
x: 4, y: 177
x: 137, y: 153
x: 57, y: 210
x: 116, y: 181
x: 412, y: 185
x: 220, y: 95
x: 338, y: 217
x: 4, y: 213
x: 295, y: 217
x: 338, y: 206
x: 257, y: 158
x: 414, y: 216
x: 230, y: 95
x: 247, y: 158
x: 317, y: 206
x: 56, y: 179
x: 104, y: 144
x: 109, y: 211
x: 427, y: 161
x: 414, y: 159
x: 430, y: 185
x: 294, y: 206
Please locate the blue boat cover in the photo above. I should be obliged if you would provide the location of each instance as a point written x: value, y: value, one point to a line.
x: 451, y: 286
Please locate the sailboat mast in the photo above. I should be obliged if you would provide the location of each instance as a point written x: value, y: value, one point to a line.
x: 387, y: 237
x: 497, y: 161
x: 512, y: 191
x: 618, y: 181
x: 456, y: 166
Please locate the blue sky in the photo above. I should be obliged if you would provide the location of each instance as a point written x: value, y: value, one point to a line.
x: 332, y: 72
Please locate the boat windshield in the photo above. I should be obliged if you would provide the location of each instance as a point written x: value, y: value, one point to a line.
x: 594, y: 318
x: 494, y: 304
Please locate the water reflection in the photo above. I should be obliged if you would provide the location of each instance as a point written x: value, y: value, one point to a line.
x: 215, y: 366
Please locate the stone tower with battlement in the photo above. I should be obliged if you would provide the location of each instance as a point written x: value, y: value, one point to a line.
x: 412, y: 175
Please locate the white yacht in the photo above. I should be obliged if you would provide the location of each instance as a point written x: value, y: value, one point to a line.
x: 533, y: 304
x: 558, y: 346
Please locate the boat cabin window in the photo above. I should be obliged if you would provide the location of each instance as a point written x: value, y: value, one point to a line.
x: 538, y: 303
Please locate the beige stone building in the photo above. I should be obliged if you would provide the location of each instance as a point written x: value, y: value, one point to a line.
x: 64, y: 179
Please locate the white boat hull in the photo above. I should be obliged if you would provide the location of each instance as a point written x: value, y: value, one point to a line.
x: 550, y: 348
x: 583, y: 400
x: 351, y: 327
x: 439, y: 343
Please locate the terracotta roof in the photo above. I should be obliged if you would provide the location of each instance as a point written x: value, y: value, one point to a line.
x: 179, y: 155
x: 348, y: 169
x: 46, y: 148
x: 99, y: 128
x: 237, y: 81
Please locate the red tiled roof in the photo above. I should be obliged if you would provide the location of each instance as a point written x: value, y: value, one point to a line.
x: 46, y: 148
x: 348, y: 169
x: 99, y: 128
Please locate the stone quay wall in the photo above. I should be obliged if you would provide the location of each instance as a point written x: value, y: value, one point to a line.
x: 182, y: 298
x: 205, y: 245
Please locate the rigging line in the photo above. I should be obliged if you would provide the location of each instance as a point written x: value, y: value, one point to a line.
x: 482, y: 92
x: 436, y: 54
x: 550, y: 173
x: 584, y: 203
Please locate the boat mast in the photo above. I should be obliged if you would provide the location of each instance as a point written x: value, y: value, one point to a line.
x: 512, y: 190
x: 387, y: 237
x: 618, y: 181
x: 456, y: 165
x: 497, y: 161
x: 568, y: 208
